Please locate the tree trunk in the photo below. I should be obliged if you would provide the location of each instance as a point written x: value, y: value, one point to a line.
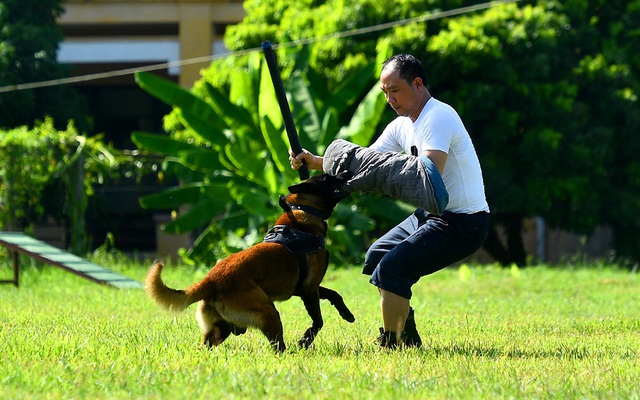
x: 494, y: 246
x: 514, y: 251
x: 515, y: 246
x: 77, y: 207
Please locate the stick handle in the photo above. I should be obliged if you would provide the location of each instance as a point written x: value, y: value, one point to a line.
x: 292, y: 133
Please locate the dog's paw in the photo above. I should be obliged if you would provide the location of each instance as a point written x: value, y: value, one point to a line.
x: 238, y: 330
x: 305, y: 342
x: 347, y: 315
x: 308, y: 338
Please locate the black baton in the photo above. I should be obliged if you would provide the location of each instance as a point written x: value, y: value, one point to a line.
x: 292, y: 133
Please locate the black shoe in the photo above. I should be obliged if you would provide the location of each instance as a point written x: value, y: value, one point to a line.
x: 410, y: 336
x: 387, y: 339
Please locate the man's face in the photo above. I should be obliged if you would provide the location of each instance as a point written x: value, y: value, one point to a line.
x: 403, y: 97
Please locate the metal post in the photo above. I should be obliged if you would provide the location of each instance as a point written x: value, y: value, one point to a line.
x: 16, y: 268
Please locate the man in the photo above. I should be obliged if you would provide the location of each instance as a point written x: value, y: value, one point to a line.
x: 423, y: 243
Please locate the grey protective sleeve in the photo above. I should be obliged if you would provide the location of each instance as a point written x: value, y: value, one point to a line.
x: 415, y: 180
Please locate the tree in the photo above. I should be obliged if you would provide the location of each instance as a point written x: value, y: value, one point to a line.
x: 29, y: 37
x: 508, y: 72
x: 41, y: 158
x: 607, y: 35
x: 553, y: 142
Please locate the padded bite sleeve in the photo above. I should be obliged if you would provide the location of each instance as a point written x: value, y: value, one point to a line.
x: 415, y: 180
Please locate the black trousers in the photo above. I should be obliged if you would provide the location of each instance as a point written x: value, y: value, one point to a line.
x: 421, y: 245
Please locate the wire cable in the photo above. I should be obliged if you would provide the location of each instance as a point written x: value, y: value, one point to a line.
x: 210, y: 58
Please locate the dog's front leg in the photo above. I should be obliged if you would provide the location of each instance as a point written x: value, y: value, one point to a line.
x: 336, y: 300
x: 312, y: 304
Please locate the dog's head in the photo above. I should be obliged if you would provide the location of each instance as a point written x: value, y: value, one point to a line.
x: 327, y: 188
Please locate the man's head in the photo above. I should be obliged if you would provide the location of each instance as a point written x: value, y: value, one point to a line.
x: 403, y: 82
x: 408, y: 67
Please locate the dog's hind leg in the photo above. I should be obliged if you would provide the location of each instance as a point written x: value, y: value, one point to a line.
x: 254, y: 308
x: 336, y: 300
x: 312, y: 304
x: 271, y: 326
x: 217, y: 334
x: 238, y: 330
x: 214, y: 329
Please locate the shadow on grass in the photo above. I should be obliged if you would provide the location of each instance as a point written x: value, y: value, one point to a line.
x: 469, y: 349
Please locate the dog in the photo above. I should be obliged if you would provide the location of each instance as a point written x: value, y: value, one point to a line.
x: 240, y: 290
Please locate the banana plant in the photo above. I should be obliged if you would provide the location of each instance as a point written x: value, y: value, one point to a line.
x: 233, y: 161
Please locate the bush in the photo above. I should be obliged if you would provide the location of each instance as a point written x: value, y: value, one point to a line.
x: 38, y: 158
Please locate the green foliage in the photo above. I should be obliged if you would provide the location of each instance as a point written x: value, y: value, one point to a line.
x: 548, y: 91
x: 230, y: 152
x: 565, y: 333
x: 502, y: 69
x: 22, y: 182
x: 284, y: 21
x: 34, y: 159
x: 29, y: 37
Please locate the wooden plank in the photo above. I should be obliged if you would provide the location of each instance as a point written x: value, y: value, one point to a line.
x: 20, y: 243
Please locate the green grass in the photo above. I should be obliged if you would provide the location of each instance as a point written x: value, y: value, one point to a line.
x: 488, y: 333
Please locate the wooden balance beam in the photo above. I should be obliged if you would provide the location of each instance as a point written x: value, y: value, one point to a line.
x: 19, y: 243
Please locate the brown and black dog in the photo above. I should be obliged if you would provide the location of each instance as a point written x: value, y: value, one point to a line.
x: 239, y: 291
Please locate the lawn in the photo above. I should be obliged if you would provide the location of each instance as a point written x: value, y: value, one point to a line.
x: 488, y: 332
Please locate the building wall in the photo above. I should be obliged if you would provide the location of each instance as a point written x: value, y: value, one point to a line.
x: 146, y: 32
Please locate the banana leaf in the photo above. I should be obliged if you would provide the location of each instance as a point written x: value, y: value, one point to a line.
x: 245, y: 86
x: 197, y: 216
x: 306, y: 114
x: 204, y: 246
x: 196, y: 112
x: 175, y: 197
x: 253, y: 200
x: 160, y: 144
x: 214, y: 133
x: 270, y: 177
x: 237, y: 118
x: 267, y: 100
x: 351, y: 89
x: 278, y: 146
x: 330, y: 126
x: 246, y: 164
x: 361, y: 128
x: 204, y: 160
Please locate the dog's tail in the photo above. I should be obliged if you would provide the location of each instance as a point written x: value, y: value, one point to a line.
x: 170, y: 299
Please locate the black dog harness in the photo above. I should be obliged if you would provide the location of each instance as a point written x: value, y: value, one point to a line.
x: 297, y: 242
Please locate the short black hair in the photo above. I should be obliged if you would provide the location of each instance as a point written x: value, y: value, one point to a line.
x: 408, y: 67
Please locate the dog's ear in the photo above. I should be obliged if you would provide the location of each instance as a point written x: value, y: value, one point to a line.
x: 283, y: 204
x: 311, y: 185
x: 299, y: 188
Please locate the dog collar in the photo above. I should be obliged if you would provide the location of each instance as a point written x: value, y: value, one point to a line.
x: 309, y: 210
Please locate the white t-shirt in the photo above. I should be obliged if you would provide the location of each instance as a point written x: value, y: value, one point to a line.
x: 439, y: 127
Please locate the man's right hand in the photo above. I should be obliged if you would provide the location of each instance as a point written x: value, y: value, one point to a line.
x: 313, y: 161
